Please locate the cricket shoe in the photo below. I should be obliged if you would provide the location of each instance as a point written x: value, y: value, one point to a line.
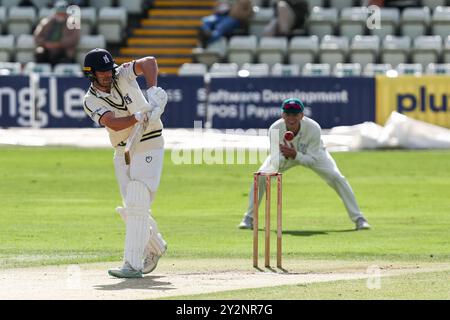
x: 126, y: 271
x: 362, y: 224
x: 151, y: 261
x: 246, y: 223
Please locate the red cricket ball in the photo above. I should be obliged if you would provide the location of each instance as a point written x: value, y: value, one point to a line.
x: 288, y: 136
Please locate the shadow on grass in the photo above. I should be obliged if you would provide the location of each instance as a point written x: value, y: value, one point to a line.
x: 147, y: 282
x: 308, y: 233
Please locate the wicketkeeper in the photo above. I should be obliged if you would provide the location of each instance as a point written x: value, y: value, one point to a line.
x: 306, y: 149
x: 115, y: 101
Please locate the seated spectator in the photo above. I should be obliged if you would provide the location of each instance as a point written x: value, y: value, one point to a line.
x: 225, y: 19
x: 289, y: 15
x: 56, y: 42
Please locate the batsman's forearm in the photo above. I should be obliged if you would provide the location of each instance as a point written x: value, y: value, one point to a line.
x: 121, y: 123
x: 150, y: 71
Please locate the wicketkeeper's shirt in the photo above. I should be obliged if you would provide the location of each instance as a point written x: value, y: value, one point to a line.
x: 125, y: 99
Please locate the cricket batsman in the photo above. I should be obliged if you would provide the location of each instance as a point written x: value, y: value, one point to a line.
x: 115, y: 101
x: 295, y: 140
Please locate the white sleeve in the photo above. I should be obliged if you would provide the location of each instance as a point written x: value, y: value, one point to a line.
x: 127, y: 71
x: 95, y: 113
x: 312, y: 152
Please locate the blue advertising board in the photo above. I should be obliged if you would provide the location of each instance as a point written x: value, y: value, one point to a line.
x: 59, y: 101
x: 255, y: 102
x: 225, y: 103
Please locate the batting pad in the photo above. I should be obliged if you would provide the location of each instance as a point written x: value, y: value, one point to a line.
x: 137, y: 223
x: 156, y: 244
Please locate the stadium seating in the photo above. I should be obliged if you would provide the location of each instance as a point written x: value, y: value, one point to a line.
x: 87, y: 43
x: 347, y: 70
x: 20, y: 20
x: 241, y: 49
x: 413, y: 69
x: 395, y: 49
x: 446, y: 53
x: 6, y: 47
x: 2, y: 19
x: 88, y: 20
x: 438, y: 69
x: 415, y: 21
x: 260, y: 19
x: 10, y: 3
x: 303, y: 50
x: 132, y: 7
x: 40, y: 68
x: 283, y: 70
x: 192, y: 69
x: 98, y: 4
x: 316, y: 69
x: 43, y: 13
x: 256, y: 69
x: 426, y: 49
x: 67, y: 69
x: 112, y: 23
x: 364, y: 49
x: 25, y: 48
x: 333, y: 50
x: 336, y: 34
x: 434, y: 3
x: 353, y: 21
x: 214, y: 53
x: 440, y: 22
x: 322, y: 21
x: 224, y: 70
x: 340, y: 4
x: 389, y: 18
x: 373, y: 69
x: 315, y: 3
x: 10, y: 68
x: 272, y: 50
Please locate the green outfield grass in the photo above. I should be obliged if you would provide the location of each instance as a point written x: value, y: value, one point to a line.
x: 422, y: 286
x: 58, y: 207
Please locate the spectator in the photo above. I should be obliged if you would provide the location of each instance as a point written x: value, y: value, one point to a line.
x: 56, y: 41
x: 225, y: 19
x: 289, y: 15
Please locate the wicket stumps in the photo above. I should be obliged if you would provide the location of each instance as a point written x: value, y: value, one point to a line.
x: 267, y: 177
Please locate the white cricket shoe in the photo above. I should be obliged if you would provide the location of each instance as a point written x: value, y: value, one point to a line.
x: 362, y: 224
x: 126, y: 271
x: 151, y: 261
x: 246, y: 223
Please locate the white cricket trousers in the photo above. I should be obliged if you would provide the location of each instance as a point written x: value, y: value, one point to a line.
x: 327, y: 169
x: 145, y: 167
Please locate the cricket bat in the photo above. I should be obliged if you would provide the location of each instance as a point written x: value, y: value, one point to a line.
x: 135, y: 135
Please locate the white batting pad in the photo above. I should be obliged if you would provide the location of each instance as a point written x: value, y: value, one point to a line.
x: 156, y: 243
x: 137, y: 223
x: 122, y: 212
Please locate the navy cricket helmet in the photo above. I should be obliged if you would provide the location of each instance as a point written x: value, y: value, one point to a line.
x: 98, y: 60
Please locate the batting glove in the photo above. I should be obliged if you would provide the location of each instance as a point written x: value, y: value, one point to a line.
x: 142, y: 116
x: 157, y: 97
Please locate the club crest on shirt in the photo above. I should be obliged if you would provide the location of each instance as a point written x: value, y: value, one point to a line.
x: 148, y: 159
x: 127, y: 99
